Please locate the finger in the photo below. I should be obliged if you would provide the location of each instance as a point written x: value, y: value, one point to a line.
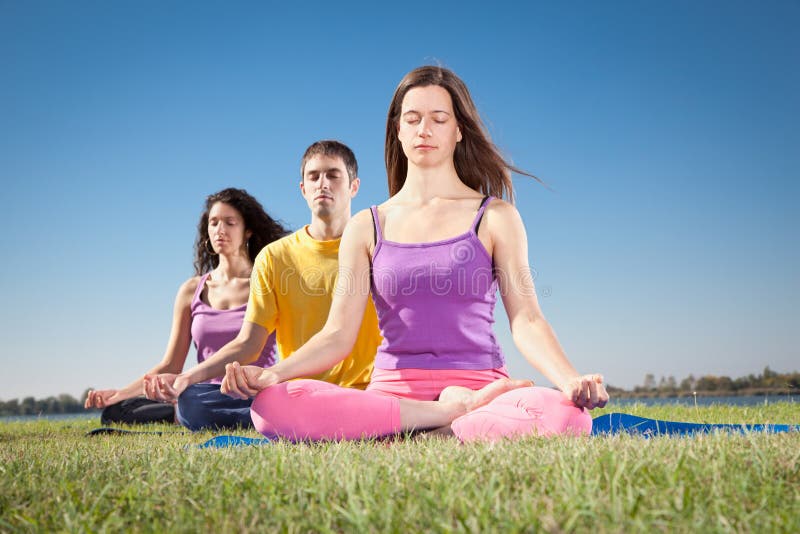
x: 147, y: 388
x: 157, y: 394
x: 241, y: 381
x: 602, y: 396
x: 223, y: 386
x: 167, y: 387
x: 583, y: 398
x: 572, y: 392
x: 252, y: 383
x: 230, y: 382
x: 168, y: 393
x: 592, y: 401
x: 233, y: 382
x: 598, y: 379
x: 151, y: 388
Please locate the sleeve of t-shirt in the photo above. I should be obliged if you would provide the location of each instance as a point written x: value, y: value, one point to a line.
x: 262, y: 306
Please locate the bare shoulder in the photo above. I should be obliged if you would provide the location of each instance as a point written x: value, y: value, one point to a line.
x: 362, y: 218
x: 360, y: 225
x: 358, y: 235
x: 501, y: 214
x: 187, y: 289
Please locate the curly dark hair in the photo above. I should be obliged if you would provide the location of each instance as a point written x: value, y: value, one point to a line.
x: 265, y: 229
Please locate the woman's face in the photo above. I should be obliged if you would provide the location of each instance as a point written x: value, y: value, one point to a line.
x: 427, y: 129
x: 226, y: 229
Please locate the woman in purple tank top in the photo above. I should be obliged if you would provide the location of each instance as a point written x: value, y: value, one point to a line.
x: 433, y: 257
x: 209, y: 309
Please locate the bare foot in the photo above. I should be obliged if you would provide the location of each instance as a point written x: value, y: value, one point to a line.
x: 471, y: 399
x: 442, y: 432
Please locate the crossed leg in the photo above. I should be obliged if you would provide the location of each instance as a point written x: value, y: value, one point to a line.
x: 522, y: 412
x: 311, y: 409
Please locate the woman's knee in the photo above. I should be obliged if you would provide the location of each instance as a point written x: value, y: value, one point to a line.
x: 522, y: 412
x: 559, y: 415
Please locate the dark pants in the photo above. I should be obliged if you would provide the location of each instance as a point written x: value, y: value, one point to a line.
x: 138, y: 410
x: 203, y: 407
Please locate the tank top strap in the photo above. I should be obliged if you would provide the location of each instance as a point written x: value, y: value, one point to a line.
x: 376, y: 224
x: 479, y: 217
x: 200, y: 286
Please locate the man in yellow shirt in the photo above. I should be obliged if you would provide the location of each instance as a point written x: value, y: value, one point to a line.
x: 292, y: 283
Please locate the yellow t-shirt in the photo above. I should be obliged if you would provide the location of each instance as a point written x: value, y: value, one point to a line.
x: 291, y: 290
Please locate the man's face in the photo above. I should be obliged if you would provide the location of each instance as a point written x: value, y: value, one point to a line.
x: 326, y: 186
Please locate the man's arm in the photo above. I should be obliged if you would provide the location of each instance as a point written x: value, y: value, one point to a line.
x: 244, y: 348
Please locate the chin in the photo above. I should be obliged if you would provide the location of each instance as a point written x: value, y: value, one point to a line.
x: 322, y: 211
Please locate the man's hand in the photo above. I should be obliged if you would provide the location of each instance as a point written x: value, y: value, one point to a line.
x: 245, y: 382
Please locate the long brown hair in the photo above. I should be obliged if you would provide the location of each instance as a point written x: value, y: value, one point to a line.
x: 477, y: 160
x: 265, y: 229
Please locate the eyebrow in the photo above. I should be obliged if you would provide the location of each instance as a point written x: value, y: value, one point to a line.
x: 328, y: 170
x: 420, y: 113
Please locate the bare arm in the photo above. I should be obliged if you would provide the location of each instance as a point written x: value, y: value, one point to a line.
x: 244, y: 348
x: 174, y: 357
x: 530, y: 330
x: 334, y: 342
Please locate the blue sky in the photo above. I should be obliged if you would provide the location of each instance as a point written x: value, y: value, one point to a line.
x: 668, y: 131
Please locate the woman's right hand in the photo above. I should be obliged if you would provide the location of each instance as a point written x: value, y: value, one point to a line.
x: 101, y: 398
x: 246, y: 382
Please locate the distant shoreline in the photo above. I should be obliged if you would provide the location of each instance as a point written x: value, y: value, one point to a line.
x: 749, y: 392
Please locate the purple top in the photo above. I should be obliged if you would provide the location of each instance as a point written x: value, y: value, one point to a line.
x: 212, y: 329
x: 435, y: 302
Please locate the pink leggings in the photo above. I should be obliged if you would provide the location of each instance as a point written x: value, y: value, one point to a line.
x: 311, y: 409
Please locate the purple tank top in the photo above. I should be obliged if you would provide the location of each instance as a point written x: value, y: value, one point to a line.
x: 212, y: 329
x: 435, y: 302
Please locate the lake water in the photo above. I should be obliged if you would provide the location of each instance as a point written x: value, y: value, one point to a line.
x: 52, y: 417
x: 744, y: 400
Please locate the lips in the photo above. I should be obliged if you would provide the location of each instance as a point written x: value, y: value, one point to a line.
x: 425, y: 147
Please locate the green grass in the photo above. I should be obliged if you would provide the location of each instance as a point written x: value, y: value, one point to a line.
x: 52, y: 478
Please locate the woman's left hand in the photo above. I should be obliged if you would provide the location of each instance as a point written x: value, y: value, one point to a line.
x: 164, y: 387
x: 586, y: 391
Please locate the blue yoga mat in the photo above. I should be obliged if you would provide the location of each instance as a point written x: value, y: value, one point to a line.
x: 221, y: 442
x: 618, y: 423
x: 610, y: 423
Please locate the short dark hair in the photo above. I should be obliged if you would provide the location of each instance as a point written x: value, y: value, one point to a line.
x: 331, y: 147
x: 265, y: 229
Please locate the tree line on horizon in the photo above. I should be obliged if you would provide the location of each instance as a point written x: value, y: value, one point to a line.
x: 768, y: 382
x: 64, y: 403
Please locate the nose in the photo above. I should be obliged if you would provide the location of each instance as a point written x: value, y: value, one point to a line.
x: 423, y: 130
